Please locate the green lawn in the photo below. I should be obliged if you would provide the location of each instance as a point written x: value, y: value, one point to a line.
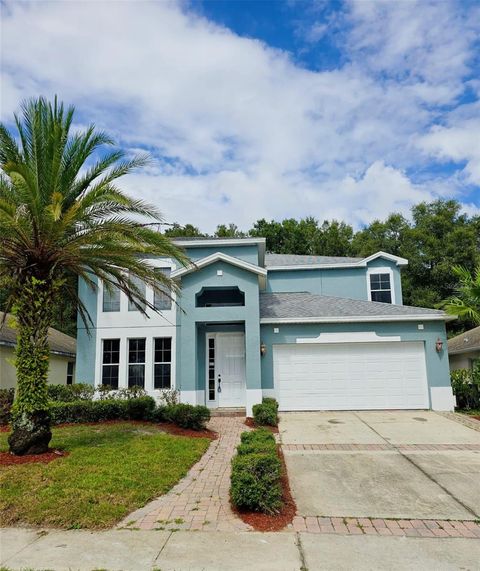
x: 112, y: 470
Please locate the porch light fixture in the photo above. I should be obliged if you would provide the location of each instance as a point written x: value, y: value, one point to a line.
x: 439, y: 345
x: 263, y: 349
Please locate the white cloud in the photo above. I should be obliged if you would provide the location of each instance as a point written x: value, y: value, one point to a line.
x: 240, y: 131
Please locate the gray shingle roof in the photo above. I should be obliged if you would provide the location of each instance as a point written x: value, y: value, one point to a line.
x: 58, y: 341
x: 468, y: 341
x: 306, y: 305
x: 298, y: 260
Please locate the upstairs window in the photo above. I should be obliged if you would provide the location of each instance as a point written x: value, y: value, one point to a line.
x: 141, y: 287
x: 161, y: 299
x: 111, y: 299
x: 381, y: 287
x: 220, y: 297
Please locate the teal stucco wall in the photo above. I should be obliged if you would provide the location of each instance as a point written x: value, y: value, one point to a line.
x: 194, y: 322
x: 86, y: 340
x: 249, y: 253
x: 437, y: 366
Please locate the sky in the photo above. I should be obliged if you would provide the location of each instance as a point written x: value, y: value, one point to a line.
x: 342, y: 110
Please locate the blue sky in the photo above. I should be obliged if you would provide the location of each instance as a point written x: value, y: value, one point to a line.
x: 347, y: 109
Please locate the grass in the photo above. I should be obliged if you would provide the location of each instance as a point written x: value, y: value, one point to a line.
x: 112, y: 470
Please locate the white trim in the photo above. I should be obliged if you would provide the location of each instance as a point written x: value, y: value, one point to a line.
x: 356, y: 319
x: 360, y: 264
x: 353, y: 337
x: 219, y: 256
x: 441, y: 398
x: 253, y: 396
x: 379, y: 270
x: 216, y: 242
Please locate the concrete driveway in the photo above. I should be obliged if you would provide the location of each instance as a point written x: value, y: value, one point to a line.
x: 405, y: 464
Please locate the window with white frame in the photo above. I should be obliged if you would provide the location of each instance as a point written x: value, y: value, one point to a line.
x: 381, y: 287
x: 110, y: 362
x: 162, y: 366
x: 136, y: 363
x: 111, y: 298
x: 162, y: 299
x: 142, y: 289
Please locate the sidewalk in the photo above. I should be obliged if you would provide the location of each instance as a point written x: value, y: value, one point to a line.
x: 125, y: 550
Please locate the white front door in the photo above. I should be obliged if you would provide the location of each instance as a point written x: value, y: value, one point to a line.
x: 230, y: 369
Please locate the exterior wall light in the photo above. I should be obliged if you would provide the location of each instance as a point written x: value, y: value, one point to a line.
x: 439, y: 345
x: 263, y: 349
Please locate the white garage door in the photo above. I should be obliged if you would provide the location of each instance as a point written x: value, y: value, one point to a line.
x: 351, y: 376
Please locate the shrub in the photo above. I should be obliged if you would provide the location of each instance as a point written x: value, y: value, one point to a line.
x: 257, y: 446
x: 6, y: 401
x: 270, y: 402
x: 69, y: 393
x: 257, y: 435
x: 265, y: 414
x: 159, y: 414
x: 465, y: 386
x: 100, y: 410
x: 170, y: 397
x: 255, y: 482
x: 188, y: 416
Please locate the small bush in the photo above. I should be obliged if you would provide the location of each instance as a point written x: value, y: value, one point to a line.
x: 255, y: 482
x: 265, y: 414
x: 169, y: 397
x: 257, y: 447
x: 188, y: 416
x: 270, y: 402
x: 159, y: 414
x: 101, y: 410
x: 6, y: 401
x: 70, y: 393
x: 466, y: 387
x: 257, y: 435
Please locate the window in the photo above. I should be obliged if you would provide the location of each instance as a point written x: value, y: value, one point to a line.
x: 136, y: 363
x: 380, y: 288
x: 111, y: 298
x: 211, y: 369
x: 162, y: 300
x: 141, y: 287
x: 70, y: 373
x: 220, y: 297
x: 111, y: 360
x: 162, y: 367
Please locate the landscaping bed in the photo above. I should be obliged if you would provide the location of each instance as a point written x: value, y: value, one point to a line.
x: 108, y: 470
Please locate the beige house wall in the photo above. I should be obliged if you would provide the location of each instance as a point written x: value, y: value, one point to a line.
x: 57, y: 374
x: 463, y: 360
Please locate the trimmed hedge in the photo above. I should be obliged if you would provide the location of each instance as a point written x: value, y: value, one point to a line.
x: 70, y: 393
x: 79, y: 411
x: 188, y: 416
x: 466, y: 387
x: 6, y: 401
x: 256, y: 473
x: 266, y: 413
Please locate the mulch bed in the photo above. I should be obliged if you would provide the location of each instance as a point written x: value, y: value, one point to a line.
x: 7, y: 459
x: 251, y: 424
x: 277, y: 522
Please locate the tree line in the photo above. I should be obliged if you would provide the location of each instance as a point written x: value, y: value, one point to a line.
x: 435, y: 238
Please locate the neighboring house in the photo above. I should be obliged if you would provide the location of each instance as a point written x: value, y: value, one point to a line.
x: 62, y: 356
x: 464, y: 349
x: 315, y: 332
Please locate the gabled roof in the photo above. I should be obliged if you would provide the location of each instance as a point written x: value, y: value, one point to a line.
x: 465, y: 342
x: 304, y: 307
x: 219, y: 257
x: 60, y: 343
x: 206, y: 241
x: 297, y: 262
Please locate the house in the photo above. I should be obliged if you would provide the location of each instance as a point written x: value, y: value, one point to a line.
x: 464, y: 349
x: 62, y: 356
x: 315, y: 332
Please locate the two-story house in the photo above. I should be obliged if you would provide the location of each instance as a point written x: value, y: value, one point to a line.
x: 315, y: 332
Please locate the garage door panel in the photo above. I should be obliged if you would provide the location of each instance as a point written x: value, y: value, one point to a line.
x: 349, y: 376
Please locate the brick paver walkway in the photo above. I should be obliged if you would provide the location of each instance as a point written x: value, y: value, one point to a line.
x: 200, y: 501
x: 374, y: 447
x: 376, y: 526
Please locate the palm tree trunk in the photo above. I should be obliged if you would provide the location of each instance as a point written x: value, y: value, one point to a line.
x: 30, y: 416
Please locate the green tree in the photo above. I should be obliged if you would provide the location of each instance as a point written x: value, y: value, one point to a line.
x: 389, y: 236
x: 230, y: 231
x: 334, y: 238
x: 187, y: 231
x: 465, y: 302
x: 62, y: 217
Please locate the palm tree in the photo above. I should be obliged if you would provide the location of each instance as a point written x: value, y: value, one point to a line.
x: 466, y: 301
x: 63, y: 217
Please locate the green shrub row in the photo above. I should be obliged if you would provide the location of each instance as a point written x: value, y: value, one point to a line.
x: 256, y: 473
x: 141, y: 408
x: 187, y: 415
x: 266, y: 413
